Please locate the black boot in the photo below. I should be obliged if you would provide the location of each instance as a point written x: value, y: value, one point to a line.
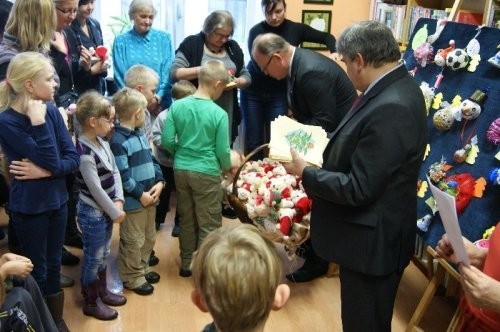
x: 153, y: 260
x: 106, y: 296
x: 55, y: 304
x: 93, y: 306
x: 68, y: 258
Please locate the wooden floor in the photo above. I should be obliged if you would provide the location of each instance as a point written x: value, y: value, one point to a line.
x: 313, y: 306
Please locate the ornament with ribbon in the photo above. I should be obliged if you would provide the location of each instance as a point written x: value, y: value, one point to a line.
x: 421, y: 43
x: 471, y: 107
x: 441, y: 54
x: 495, y: 60
x: 424, y: 222
x: 473, y: 48
x: 468, y: 149
x: 457, y: 59
x: 461, y: 186
x: 494, y: 176
x: 437, y: 171
x: 428, y: 93
x: 493, y: 132
x: 446, y: 116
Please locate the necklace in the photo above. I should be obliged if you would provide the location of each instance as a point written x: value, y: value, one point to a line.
x: 213, y: 50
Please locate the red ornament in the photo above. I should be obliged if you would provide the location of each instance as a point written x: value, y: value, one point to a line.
x: 465, y: 189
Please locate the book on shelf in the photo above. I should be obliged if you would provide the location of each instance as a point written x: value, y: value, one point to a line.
x: 392, y: 16
x: 421, y: 12
x: 309, y: 141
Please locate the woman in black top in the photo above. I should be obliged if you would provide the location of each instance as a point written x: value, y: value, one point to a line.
x: 88, y: 32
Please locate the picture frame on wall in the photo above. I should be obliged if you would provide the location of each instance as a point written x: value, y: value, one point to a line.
x: 320, y: 2
x: 320, y: 20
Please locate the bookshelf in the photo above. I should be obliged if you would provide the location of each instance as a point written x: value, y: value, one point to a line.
x: 402, y: 18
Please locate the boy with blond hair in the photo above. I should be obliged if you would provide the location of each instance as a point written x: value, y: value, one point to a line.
x: 195, y: 134
x: 142, y: 185
x: 180, y: 89
x: 145, y: 80
x: 236, y: 274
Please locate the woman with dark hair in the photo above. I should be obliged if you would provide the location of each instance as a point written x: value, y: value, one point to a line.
x: 214, y: 43
x: 88, y: 32
x: 265, y: 99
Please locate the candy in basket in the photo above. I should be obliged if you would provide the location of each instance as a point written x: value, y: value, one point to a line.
x: 264, y: 194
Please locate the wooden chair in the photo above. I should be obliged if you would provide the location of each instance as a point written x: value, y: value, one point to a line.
x: 444, y: 272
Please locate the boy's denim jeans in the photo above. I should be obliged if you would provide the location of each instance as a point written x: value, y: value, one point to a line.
x: 96, y: 229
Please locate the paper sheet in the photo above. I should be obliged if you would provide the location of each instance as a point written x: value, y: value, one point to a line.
x: 448, y: 212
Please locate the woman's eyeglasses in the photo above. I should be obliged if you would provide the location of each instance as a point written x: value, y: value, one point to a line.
x: 67, y: 11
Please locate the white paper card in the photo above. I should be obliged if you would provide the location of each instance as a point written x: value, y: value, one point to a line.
x: 448, y: 211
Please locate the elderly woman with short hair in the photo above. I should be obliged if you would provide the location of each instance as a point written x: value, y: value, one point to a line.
x: 214, y: 42
x: 146, y: 46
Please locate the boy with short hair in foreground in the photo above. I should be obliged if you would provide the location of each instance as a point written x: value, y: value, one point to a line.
x: 236, y: 274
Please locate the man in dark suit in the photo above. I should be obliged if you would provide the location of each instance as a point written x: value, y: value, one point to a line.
x: 319, y: 93
x: 364, y: 196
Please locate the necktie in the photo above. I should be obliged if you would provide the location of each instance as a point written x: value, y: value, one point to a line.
x: 356, y: 101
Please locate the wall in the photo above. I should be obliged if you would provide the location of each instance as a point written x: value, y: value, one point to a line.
x: 344, y: 12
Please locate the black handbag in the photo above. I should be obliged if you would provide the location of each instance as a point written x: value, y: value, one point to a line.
x: 66, y: 99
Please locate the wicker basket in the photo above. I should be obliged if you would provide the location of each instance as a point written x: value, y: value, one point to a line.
x: 300, y: 231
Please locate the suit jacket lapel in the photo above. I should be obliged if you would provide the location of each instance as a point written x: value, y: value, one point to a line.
x: 395, y: 75
x: 291, y: 80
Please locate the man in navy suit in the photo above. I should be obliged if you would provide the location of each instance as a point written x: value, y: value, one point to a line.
x: 364, y: 196
x: 319, y: 93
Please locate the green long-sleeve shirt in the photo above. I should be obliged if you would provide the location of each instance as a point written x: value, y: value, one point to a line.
x: 196, y: 134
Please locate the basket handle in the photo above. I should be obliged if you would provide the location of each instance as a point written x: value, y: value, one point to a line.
x: 247, y: 158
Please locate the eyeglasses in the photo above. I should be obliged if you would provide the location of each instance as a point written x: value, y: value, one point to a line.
x: 67, y: 11
x: 221, y: 35
x: 108, y: 121
x: 264, y: 69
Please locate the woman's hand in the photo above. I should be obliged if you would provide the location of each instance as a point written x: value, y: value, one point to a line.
x: 85, y: 58
x: 35, y: 110
x: 99, y: 67
x: 480, y: 290
x: 25, y: 169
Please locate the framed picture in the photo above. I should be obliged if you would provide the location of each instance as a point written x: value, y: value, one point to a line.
x: 320, y: 2
x: 319, y: 20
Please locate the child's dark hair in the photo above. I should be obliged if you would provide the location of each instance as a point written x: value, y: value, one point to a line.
x: 183, y: 88
x: 92, y: 104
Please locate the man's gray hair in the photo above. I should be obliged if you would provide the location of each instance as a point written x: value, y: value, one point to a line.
x: 372, y: 39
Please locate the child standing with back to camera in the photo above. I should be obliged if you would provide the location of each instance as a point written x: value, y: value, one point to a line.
x: 40, y: 153
x: 195, y: 133
x: 100, y: 202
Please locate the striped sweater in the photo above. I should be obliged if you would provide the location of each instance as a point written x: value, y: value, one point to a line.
x: 98, y: 176
x: 138, y: 169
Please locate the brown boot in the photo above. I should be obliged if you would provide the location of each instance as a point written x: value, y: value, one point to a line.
x: 106, y: 296
x: 55, y: 304
x: 93, y: 305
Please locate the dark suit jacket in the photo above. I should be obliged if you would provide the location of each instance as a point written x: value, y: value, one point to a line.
x: 364, y: 197
x: 319, y: 92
